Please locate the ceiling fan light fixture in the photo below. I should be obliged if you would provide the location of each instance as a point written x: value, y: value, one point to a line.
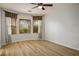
x: 39, y: 7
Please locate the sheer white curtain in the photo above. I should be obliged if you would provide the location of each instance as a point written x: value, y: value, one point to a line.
x: 0, y: 28
x: 8, y: 29
x: 3, y: 29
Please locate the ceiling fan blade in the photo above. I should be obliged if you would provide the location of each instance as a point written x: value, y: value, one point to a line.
x: 43, y: 8
x: 34, y: 3
x: 35, y: 7
x: 47, y: 4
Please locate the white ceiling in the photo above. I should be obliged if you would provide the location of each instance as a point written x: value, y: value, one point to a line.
x: 24, y: 7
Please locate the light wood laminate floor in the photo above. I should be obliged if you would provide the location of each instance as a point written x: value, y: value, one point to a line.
x: 36, y: 48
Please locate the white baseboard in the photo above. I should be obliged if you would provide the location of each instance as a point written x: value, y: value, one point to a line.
x: 64, y: 45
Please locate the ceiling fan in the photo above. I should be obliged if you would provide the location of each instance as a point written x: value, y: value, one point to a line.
x: 41, y: 5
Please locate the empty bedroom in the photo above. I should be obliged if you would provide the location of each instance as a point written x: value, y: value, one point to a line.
x: 39, y: 29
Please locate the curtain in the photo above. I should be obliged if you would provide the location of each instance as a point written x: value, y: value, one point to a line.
x: 37, y: 17
x: 37, y: 22
x: 13, y: 17
x: 9, y: 14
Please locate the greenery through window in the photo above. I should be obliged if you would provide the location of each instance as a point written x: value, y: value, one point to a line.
x: 25, y: 26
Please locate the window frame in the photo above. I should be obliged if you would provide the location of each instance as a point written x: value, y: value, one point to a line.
x: 30, y: 26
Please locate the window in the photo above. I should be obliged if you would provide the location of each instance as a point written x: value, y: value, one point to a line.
x: 37, y: 21
x: 36, y: 26
x: 11, y: 25
x: 11, y: 22
x: 25, y: 26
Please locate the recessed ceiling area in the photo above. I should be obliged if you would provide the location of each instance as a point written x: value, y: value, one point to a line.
x: 24, y: 8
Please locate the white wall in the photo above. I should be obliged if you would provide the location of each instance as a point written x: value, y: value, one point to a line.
x: 0, y: 28
x: 43, y: 28
x: 23, y: 37
x: 3, y: 28
x: 27, y: 36
x: 62, y: 25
